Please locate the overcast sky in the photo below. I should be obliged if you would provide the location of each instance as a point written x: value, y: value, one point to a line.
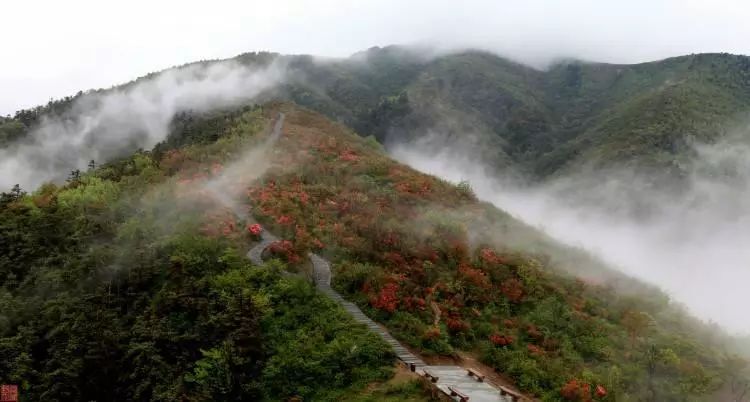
x: 55, y: 48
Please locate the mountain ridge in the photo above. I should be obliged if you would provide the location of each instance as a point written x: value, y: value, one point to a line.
x: 541, y: 121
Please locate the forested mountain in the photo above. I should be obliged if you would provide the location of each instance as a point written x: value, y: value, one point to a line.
x: 539, y: 121
x: 572, y: 114
x: 128, y: 281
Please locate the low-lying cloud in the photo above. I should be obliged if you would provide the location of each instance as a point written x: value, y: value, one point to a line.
x: 691, y: 240
x: 105, y: 125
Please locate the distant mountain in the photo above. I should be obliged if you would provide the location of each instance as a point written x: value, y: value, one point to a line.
x: 571, y: 115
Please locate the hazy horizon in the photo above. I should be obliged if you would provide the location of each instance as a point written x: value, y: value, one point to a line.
x: 80, y: 45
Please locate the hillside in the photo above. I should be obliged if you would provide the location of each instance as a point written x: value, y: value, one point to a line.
x: 146, y: 294
x: 541, y: 122
x: 444, y: 274
x: 128, y: 281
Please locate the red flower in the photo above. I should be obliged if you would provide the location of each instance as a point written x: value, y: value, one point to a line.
x: 576, y: 391
x: 512, y: 289
x: 456, y: 324
x: 255, y: 229
x: 501, y: 340
x: 571, y: 390
x: 601, y: 392
x: 489, y: 256
x: 474, y: 276
x: 387, y: 299
x: 284, y: 248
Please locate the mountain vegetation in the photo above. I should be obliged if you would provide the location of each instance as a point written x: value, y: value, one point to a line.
x: 128, y: 281
x: 122, y: 284
x: 429, y: 261
x: 572, y: 115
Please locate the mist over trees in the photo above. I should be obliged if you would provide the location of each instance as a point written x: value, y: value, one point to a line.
x: 125, y: 278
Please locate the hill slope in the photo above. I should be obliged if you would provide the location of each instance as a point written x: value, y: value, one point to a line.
x: 446, y: 275
x: 542, y: 123
x: 150, y: 264
x: 128, y: 282
x: 572, y: 115
x: 145, y: 250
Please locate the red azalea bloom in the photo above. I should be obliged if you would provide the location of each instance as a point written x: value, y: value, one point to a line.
x: 601, y: 392
x: 387, y: 299
x: 255, y: 229
x: 501, y: 340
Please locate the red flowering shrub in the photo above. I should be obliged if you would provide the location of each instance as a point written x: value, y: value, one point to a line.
x: 574, y: 390
x: 586, y: 393
x: 571, y: 390
x: 255, y: 229
x: 512, y: 289
x: 403, y: 188
x: 456, y: 324
x: 387, y: 299
x: 533, y: 332
x: 349, y: 156
x: 285, y: 249
x: 501, y: 340
x: 420, y: 302
x: 474, y: 276
x: 414, y: 302
x: 490, y: 257
x: 601, y: 392
x: 431, y: 333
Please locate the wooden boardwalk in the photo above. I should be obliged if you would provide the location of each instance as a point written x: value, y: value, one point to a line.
x: 322, y: 278
x: 449, y: 377
x: 256, y: 253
